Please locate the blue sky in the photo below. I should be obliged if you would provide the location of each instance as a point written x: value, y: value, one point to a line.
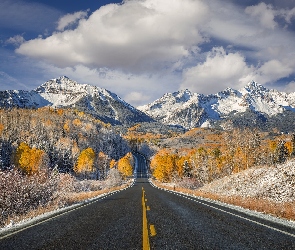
x: 141, y: 49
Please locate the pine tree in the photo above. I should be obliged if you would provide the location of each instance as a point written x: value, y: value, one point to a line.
x: 281, y: 152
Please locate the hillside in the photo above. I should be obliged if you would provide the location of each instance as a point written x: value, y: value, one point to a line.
x: 60, y: 135
x: 275, y: 183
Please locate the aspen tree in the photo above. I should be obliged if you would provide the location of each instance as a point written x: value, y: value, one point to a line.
x: 85, y: 162
x: 125, y: 167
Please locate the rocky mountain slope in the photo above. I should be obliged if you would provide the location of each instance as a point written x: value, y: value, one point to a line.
x: 251, y: 106
x: 196, y: 110
x: 66, y: 93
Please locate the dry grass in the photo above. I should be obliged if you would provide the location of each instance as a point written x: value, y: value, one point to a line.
x: 73, y: 198
x: 284, y: 210
x: 69, y: 199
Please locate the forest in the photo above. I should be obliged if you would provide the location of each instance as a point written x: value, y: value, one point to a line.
x: 203, y: 155
x: 48, y: 156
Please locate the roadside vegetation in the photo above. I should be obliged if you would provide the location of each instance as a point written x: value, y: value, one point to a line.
x: 51, y: 158
x: 244, y: 167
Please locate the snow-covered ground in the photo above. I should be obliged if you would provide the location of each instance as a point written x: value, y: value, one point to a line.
x: 273, y: 183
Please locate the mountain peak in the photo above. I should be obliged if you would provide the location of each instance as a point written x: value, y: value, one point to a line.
x: 63, y: 92
x: 253, y: 86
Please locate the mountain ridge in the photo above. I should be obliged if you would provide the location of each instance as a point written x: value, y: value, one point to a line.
x: 253, y: 105
x: 198, y: 110
x: 63, y: 92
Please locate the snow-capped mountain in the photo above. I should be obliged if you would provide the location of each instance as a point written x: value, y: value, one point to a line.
x: 66, y: 93
x: 197, y: 110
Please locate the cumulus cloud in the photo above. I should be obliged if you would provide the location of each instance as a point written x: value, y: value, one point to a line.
x: 136, y: 36
x: 136, y: 98
x: 273, y: 70
x: 70, y: 19
x: 15, y: 40
x: 288, y: 14
x: 153, y: 47
x: 220, y: 70
x: 135, y: 89
x: 290, y: 87
x: 265, y: 13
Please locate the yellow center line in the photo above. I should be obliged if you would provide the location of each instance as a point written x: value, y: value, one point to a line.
x: 145, y: 228
x: 153, y: 230
x: 145, y: 235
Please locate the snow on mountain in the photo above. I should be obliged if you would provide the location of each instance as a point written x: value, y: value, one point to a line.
x: 66, y: 93
x: 196, y: 110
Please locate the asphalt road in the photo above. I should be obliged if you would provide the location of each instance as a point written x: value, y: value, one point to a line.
x: 115, y: 222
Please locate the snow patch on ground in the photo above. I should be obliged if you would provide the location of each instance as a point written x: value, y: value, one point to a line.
x: 30, y: 222
x: 273, y: 183
x: 268, y: 217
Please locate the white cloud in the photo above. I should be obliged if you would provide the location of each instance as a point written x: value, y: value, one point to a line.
x: 144, y: 46
x: 127, y: 86
x: 290, y: 87
x: 136, y: 36
x: 288, y: 14
x: 265, y: 13
x: 220, y: 70
x: 273, y: 70
x: 70, y: 19
x: 15, y: 40
x: 137, y: 98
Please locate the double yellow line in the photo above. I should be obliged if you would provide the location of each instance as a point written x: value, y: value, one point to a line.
x: 145, y: 228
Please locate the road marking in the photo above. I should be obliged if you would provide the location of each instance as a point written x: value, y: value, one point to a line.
x: 253, y: 221
x: 145, y: 234
x: 153, y: 230
x: 219, y: 209
x: 58, y: 213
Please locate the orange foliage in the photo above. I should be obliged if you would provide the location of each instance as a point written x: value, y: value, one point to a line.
x: 77, y: 122
x: 113, y: 163
x: 1, y: 128
x: 85, y: 161
x: 125, y: 165
x: 29, y: 160
x: 59, y: 112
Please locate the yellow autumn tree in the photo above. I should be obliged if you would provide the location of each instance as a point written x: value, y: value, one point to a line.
x: 1, y: 128
x: 85, y: 162
x: 125, y: 165
x: 29, y: 160
x: 288, y: 146
x: 163, y: 165
x: 113, y: 163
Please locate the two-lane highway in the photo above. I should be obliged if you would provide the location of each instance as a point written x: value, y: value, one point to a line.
x: 116, y: 222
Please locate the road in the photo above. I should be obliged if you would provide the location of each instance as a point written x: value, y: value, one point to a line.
x: 116, y: 222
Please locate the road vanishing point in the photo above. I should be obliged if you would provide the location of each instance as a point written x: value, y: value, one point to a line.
x: 145, y: 217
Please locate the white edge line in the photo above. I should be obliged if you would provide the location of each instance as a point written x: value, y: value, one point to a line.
x: 68, y: 210
x: 239, y: 216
